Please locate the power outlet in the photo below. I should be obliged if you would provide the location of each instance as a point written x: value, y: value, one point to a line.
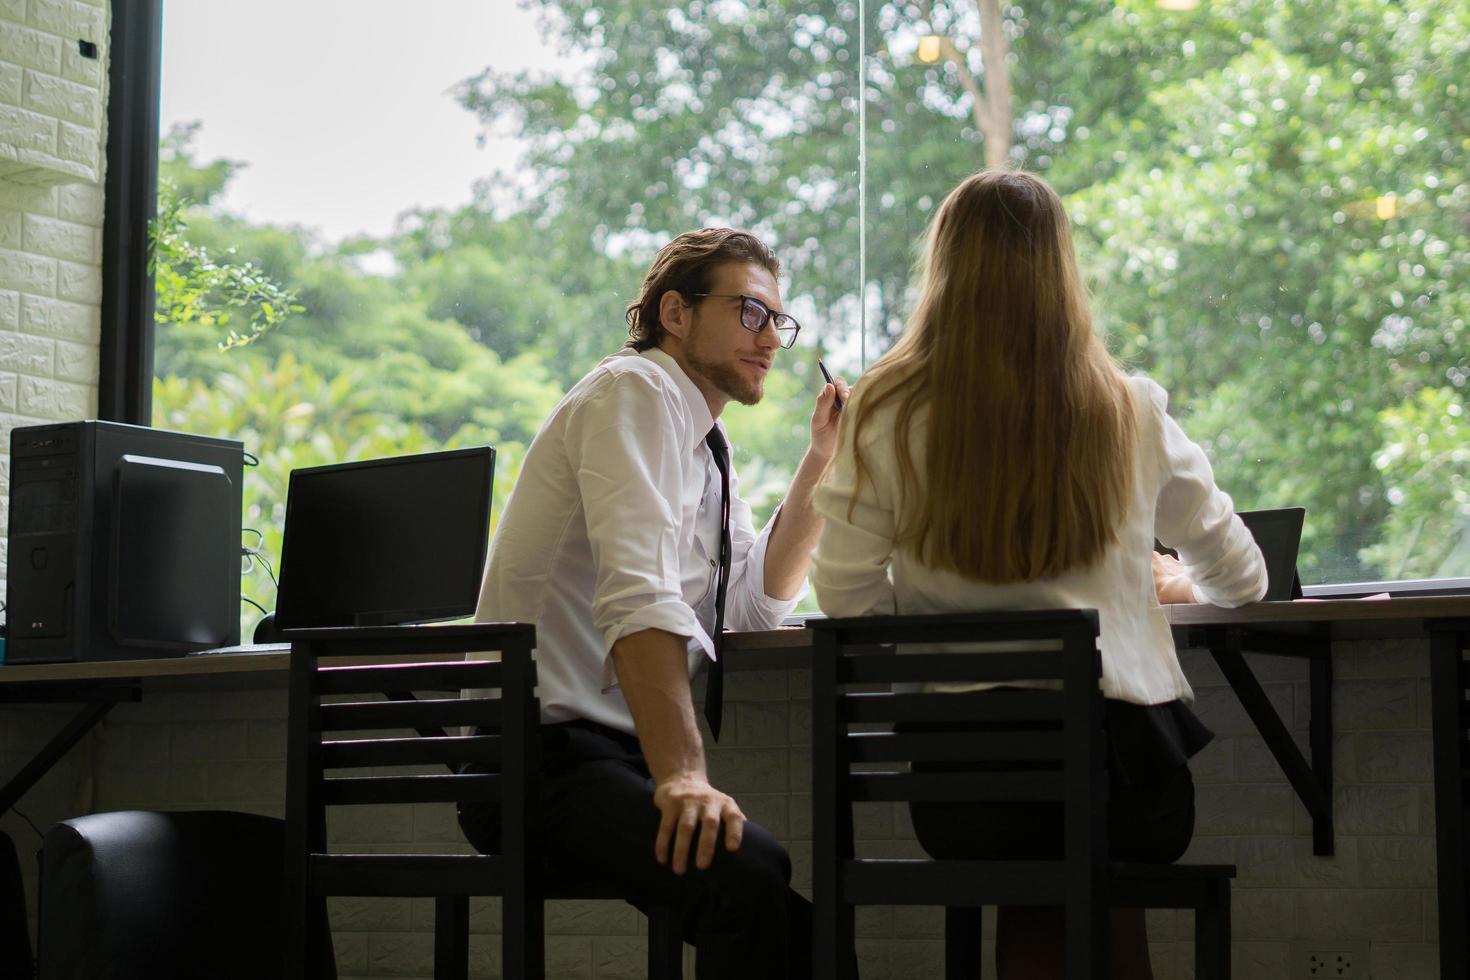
x: 1328, y: 964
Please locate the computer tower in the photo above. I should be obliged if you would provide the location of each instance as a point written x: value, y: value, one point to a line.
x: 124, y: 542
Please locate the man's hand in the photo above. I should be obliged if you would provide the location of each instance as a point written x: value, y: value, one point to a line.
x: 1171, y: 580
x: 794, y: 535
x: 688, y: 804
x: 825, y: 417
x: 653, y: 672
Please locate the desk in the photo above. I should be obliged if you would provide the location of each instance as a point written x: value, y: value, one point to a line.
x: 99, y: 685
x: 1304, y: 629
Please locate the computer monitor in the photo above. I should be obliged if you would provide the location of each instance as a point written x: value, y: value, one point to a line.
x: 385, y: 541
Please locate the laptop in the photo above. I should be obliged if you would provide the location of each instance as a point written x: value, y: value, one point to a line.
x: 1278, y: 533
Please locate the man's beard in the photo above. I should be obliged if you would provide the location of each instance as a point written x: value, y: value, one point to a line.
x: 726, y: 377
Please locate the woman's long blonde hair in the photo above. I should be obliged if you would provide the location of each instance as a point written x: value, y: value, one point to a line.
x: 1030, y: 433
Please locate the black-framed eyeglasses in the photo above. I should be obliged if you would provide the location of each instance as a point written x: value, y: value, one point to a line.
x: 754, y: 315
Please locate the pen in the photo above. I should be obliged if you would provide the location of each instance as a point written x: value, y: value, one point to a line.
x: 828, y: 375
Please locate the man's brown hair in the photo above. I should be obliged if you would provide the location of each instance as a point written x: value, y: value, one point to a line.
x: 686, y: 265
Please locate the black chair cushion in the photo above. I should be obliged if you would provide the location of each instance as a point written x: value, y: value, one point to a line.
x: 163, y: 896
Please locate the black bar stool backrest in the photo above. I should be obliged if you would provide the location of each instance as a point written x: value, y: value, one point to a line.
x: 1035, y: 736
x: 433, y: 727
x: 367, y: 723
x: 969, y: 708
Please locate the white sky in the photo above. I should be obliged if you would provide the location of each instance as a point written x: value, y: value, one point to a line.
x: 341, y: 109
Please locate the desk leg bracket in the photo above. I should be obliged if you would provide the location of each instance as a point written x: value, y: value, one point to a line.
x: 1449, y: 678
x: 97, y: 703
x: 1311, y: 781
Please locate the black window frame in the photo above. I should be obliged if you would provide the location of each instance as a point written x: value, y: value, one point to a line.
x: 125, y: 374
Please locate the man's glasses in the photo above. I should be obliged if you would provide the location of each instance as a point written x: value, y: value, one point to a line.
x: 754, y: 315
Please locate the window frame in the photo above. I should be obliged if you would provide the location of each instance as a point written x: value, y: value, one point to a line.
x: 130, y: 201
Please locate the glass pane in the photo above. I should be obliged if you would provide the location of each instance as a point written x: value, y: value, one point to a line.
x: 1272, y: 204
x: 391, y: 232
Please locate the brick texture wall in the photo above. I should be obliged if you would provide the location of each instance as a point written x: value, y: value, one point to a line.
x: 51, y: 165
x: 1374, y: 901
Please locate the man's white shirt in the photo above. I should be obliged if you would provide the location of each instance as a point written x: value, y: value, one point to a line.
x: 614, y: 527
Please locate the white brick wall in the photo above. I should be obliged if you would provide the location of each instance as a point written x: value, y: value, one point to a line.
x: 51, y: 96
x: 51, y: 165
x: 51, y: 123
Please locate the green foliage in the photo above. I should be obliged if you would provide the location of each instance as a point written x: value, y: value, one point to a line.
x: 288, y: 416
x: 360, y: 370
x: 1270, y: 201
x: 194, y: 290
x: 1226, y: 169
x: 190, y: 179
x: 1425, y: 462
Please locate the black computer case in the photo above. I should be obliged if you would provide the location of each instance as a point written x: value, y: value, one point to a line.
x: 124, y: 543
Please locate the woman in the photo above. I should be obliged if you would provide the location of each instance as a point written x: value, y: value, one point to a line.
x: 998, y: 458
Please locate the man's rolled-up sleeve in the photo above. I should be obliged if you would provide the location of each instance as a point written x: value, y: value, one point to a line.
x: 626, y: 459
x: 747, y: 606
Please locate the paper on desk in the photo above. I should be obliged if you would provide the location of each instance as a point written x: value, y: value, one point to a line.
x: 1375, y: 597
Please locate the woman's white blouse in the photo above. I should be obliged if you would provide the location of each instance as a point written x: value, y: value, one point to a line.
x: 858, y: 571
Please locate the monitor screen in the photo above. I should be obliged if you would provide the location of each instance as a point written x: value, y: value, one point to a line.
x: 383, y: 541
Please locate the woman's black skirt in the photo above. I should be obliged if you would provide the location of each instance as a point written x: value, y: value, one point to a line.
x: 1150, y: 798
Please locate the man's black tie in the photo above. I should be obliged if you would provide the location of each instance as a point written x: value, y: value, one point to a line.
x: 714, y: 690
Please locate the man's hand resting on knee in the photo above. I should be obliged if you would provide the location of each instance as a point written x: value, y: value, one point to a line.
x: 689, y: 806
x: 653, y: 673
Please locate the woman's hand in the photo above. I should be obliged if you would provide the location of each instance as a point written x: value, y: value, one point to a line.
x: 1171, y: 580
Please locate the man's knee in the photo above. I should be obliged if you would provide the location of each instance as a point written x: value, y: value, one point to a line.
x: 760, y: 869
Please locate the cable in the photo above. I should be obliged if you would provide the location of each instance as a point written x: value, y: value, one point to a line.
x: 246, y: 598
x: 265, y: 563
x: 250, y: 459
x: 256, y: 554
x: 17, y: 811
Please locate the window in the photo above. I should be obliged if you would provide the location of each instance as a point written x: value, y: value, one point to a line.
x: 1272, y: 205
x: 1270, y: 200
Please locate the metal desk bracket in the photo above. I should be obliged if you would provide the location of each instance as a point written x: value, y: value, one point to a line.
x: 1311, y: 781
x: 97, y: 700
x: 1449, y: 679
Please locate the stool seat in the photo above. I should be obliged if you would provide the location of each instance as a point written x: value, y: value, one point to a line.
x: 148, y: 895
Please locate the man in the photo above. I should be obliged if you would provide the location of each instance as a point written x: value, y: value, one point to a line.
x: 611, y: 543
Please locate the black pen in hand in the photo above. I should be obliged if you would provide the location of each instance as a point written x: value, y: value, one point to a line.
x: 828, y: 375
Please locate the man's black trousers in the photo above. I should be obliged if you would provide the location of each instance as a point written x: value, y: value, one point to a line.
x: 598, y: 821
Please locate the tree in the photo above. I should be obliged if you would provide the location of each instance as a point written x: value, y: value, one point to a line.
x: 358, y: 368
x: 230, y: 301
x: 1271, y: 199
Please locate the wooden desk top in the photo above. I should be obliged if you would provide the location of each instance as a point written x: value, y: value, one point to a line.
x: 1342, y: 619
x: 788, y: 647
x: 216, y: 671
